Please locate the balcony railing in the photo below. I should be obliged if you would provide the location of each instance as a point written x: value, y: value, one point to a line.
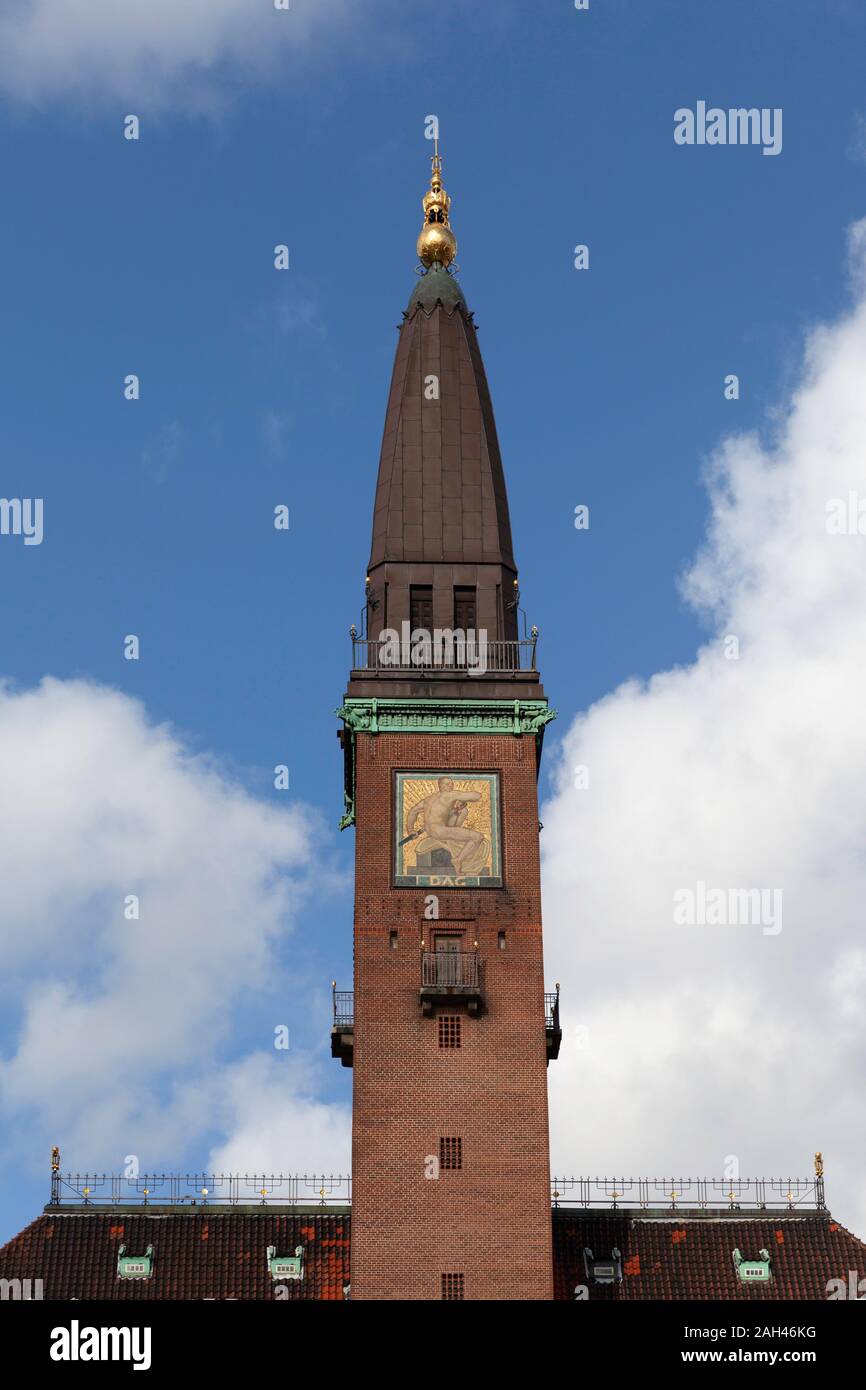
x: 551, y: 1009
x: 456, y: 970
x: 445, y: 976
x: 491, y: 658
x: 343, y: 1028
x: 344, y: 1008
x: 552, y: 1028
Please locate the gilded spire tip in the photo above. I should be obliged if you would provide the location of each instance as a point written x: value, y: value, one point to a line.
x: 437, y: 243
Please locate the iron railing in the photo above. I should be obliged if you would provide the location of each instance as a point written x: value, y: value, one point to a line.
x: 551, y: 1010
x: 449, y: 969
x: 344, y: 1007
x: 344, y: 1002
x: 499, y: 657
x: 200, y: 1189
x: 329, y: 1190
x: 678, y: 1194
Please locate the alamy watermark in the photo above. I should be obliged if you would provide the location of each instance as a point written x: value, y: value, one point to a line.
x: 444, y: 646
x: 854, y: 1289
x: 21, y: 1290
x: 846, y: 516
x: 22, y: 516
x: 77, y: 1343
x: 738, y: 125
x: 729, y: 907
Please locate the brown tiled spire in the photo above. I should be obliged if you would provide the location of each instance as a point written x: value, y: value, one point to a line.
x: 441, y: 512
x: 441, y: 491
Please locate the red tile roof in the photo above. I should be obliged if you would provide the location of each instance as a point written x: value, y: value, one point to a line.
x: 222, y: 1253
x: 690, y: 1255
x: 197, y: 1254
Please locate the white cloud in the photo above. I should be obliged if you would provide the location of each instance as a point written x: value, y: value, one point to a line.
x: 709, y: 1041
x: 124, y: 1040
x: 857, y: 144
x: 275, y: 1128
x: 275, y: 425
x: 297, y: 309
x: 158, y: 52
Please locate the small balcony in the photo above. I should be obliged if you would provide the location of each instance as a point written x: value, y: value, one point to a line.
x: 552, y: 1029
x: 343, y: 1027
x: 441, y: 983
x: 445, y: 657
x: 448, y: 976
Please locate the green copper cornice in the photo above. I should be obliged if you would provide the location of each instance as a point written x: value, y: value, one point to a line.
x: 376, y: 716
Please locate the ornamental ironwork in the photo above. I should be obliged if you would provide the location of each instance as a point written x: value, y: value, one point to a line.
x: 309, y: 1190
x: 196, y: 1190
x: 690, y: 1194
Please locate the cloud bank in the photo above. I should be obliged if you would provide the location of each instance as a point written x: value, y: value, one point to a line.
x: 122, y: 1029
x: 160, y: 52
x: 706, y: 1043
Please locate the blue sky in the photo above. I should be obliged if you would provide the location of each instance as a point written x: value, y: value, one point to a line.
x: 258, y: 388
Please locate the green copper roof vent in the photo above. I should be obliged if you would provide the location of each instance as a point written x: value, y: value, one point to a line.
x: 753, y: 1271
x: 603, y: 1271
x: 286, y: 1266
x: 134, y: 1266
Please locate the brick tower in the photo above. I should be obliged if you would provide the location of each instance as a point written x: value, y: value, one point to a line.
x: 449, y: 1031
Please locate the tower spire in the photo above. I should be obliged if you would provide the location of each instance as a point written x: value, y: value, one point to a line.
x: 449, y: 1050
x: 437, y: 243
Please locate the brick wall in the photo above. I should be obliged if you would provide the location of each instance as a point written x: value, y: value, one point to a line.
x: 489, y: 1221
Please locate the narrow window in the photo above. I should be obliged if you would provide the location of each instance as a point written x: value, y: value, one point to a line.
x: 392, y: 938
x: 449, y: 1030
x: 421, y: 607
x: 501, y: 938
x: 452, y: 1288
x: 450, y: 1152
x: 465, y: 608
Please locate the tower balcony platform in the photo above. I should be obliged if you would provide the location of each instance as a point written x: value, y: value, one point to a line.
x: 441, y: 984
x: 343, y: 1027
x: 552, y: 1029
x: 500, y: 670
x: 449, y: 976
x: 444, y: 658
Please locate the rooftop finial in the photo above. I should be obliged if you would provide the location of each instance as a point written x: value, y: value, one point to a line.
x: 436, y: 243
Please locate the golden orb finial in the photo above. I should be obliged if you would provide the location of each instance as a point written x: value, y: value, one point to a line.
x: 436, y: 242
